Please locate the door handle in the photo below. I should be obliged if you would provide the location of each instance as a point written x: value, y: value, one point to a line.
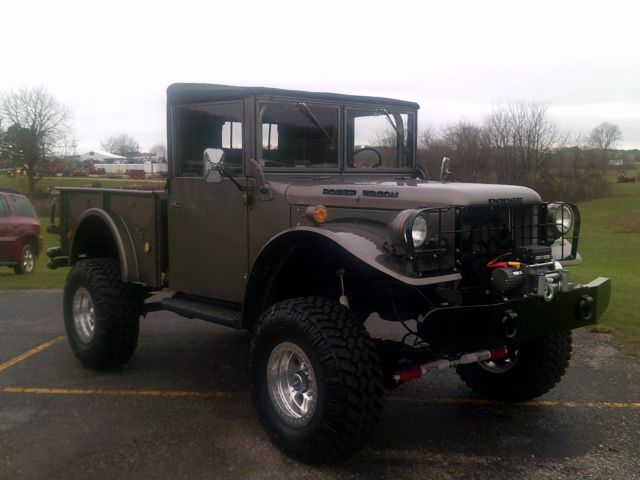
x: 177, y: 204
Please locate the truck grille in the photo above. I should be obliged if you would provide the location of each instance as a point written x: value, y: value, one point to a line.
x: 483, y: 233
x: 495, y: 230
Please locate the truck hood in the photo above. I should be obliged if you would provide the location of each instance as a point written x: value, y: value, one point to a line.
x: 406, y: 194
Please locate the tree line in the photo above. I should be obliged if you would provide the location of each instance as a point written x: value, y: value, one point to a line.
x: 519, y: 144
x: 35, y: 128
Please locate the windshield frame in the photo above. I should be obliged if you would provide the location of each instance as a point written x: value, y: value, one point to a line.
x: 342, y: 146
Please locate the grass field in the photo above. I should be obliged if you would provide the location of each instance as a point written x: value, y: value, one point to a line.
x: 20, y: 183
x: 609, y: 245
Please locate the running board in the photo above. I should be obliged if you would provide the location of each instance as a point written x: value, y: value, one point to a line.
x: 204, y: 310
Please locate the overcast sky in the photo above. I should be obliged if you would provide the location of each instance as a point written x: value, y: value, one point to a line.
x: 111, y: 61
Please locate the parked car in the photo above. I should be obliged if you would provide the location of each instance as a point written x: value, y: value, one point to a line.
x: 20, y: 240
x: 136, y: 175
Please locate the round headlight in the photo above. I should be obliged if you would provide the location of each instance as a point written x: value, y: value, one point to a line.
x: 419, y: 231
x: 562, y: 218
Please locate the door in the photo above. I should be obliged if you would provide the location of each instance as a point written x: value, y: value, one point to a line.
x: 7, y: 237
x: 207, y: 222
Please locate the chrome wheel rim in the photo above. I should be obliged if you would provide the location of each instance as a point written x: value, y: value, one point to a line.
x: 84, y: 315
x: 501, y: 366
x: 28, y: 261
x: 292, y: 384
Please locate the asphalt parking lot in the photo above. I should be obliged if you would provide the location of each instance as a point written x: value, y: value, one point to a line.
x: 181, y: 409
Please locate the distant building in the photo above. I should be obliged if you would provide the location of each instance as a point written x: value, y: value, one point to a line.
x: 122, y: 168
x: 101, y: 157
x: 616, y: 162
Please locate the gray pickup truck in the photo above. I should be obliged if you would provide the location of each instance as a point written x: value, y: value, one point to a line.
x: 297, y: 216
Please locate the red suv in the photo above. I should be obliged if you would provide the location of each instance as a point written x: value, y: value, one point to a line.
x: 20, y: 241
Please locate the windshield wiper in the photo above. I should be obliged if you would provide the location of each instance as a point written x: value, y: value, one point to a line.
x: 306, y: 111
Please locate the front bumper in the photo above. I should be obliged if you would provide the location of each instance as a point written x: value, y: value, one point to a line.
x: 461, y: 328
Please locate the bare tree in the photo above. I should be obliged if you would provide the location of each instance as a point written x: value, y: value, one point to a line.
x: 432, y: 147
x: 159, y: 150
x: 3, y: 146
x: 122, y: 144
x: 604, y: 136
x: 38, y: 123
x: 469, y: 148
x: 427, y: 137
x: 522, y: 138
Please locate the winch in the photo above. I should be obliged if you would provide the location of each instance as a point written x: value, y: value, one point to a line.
x: 530, y: 271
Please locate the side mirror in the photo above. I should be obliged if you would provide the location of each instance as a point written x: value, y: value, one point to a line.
x: 444, y: 169
x: 213, y: 159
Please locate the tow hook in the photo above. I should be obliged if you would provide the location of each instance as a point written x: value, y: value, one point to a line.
x: 584, y: 308
x: 419, y: 371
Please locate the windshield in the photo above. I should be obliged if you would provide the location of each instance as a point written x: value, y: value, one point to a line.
x: 380, y: 138
x: 299, y: 135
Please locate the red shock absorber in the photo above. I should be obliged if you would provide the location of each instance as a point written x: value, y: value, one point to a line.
x: 498, y: 353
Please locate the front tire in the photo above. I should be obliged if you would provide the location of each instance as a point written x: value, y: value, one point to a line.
x: 101, y: 314
x: 317, y: 381
x: 529, y: 371
x: 27, y: 261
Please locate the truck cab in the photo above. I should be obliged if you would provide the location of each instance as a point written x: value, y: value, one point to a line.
x: 299, y: 141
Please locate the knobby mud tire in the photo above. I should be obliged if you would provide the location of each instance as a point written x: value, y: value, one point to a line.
x: 349, y: 378
x: 117, y: 313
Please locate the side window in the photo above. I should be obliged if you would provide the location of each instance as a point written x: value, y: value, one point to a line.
x: 4, y: 208
x: 22, y: 207
x: 217, y: 125
x: 378, y: 138
x: 298, y: 135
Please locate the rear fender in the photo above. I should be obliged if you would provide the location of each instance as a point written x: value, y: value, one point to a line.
x: 93, y: 225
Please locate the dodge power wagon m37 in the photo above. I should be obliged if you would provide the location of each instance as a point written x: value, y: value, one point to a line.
x: 298, y: 215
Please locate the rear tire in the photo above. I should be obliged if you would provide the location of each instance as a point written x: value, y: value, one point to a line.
x: 313, y: 349
x: 27, y: 261
x: 535, y: 369
x: 101, y: 314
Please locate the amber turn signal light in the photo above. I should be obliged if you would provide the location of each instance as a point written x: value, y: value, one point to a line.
x: 317, y: 213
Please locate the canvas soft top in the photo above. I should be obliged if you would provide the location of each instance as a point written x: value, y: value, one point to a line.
x: 185, y: 93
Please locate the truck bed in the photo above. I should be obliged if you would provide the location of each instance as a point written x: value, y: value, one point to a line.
x: 140, y: 216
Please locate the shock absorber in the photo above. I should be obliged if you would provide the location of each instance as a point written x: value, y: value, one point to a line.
x: 344, y: 300
x: 417, y: 371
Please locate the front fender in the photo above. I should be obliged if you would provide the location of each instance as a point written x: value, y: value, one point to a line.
x: 120, y: 236
x: 362, y: 241
x: 365, y: 242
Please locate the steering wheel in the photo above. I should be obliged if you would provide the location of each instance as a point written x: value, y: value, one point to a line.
x: 368, y: 149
